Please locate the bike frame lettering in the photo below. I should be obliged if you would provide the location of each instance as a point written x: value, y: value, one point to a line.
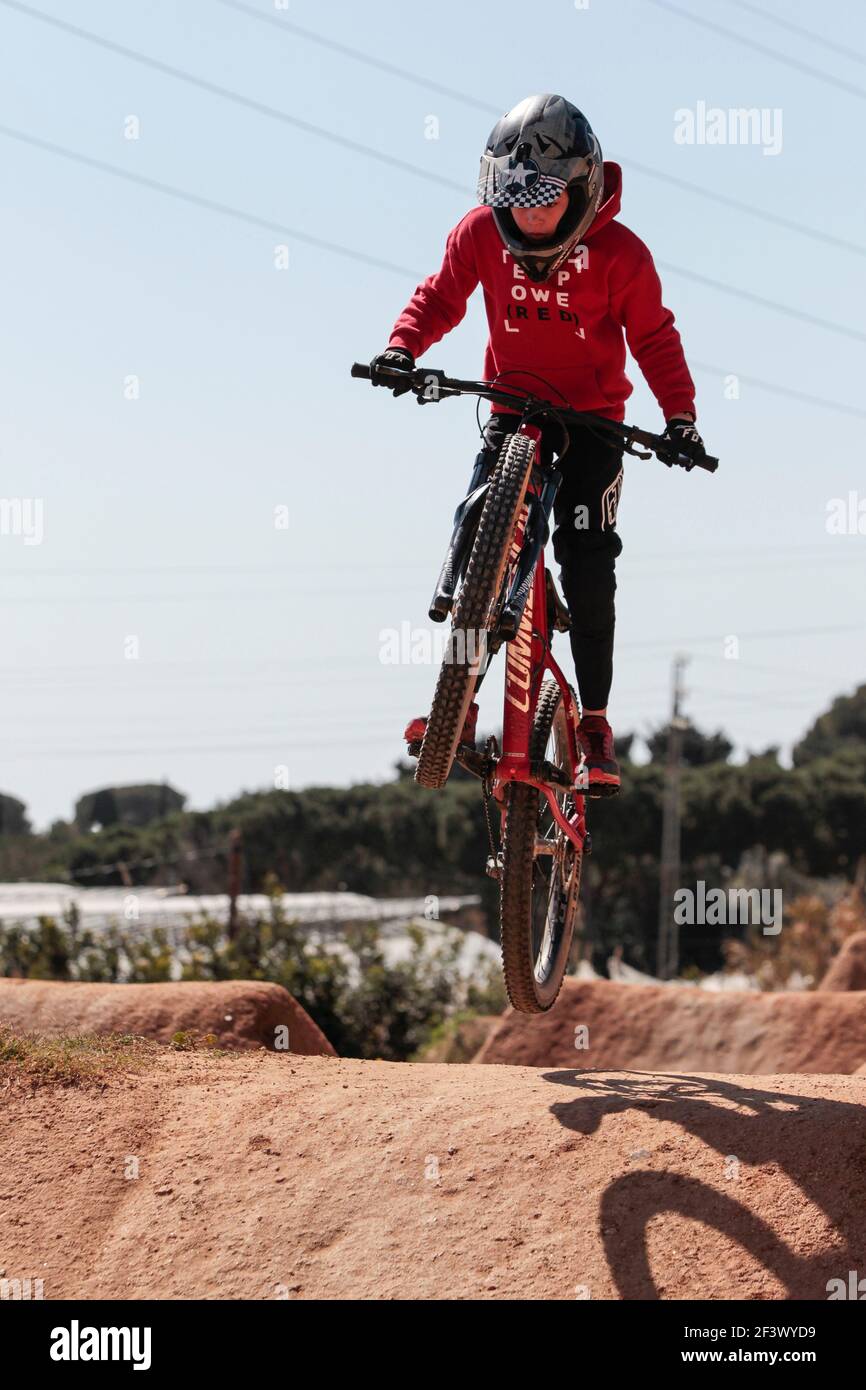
x: 528, y: 656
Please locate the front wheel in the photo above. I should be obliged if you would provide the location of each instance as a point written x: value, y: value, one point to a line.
x: 475, y: 611
x: 540, y: 872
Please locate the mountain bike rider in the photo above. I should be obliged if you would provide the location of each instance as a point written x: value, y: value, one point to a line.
x: 566, y: 286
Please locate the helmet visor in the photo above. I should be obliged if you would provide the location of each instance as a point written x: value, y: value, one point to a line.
x: 506, y: 182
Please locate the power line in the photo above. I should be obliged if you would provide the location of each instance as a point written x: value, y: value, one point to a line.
x: 739, y: 206
x: 805, y: 548
x: 286, y: 26
x: 765, y: 303
x: 191, y: 664
x: 794, y: 672
x: 210, y: 205
x: 260, y: 108
x: 765, y: 635
x: 184, y: 596
x: 734, y: 569
x: 674, y: 562
x: 763, y: 49
x: 276, y: 747
x: 751, y: 697
x: 378, y: 719
x: 369, y: 671
x: 765, y: 565
x: 676, y: 566
x: 416, y: 79
x: 775, y: 389
x: 118, y: 572
x: 214, y: 89
x: 798, y: 29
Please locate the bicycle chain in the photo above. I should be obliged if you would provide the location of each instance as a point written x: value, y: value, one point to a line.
x: 487, y: 794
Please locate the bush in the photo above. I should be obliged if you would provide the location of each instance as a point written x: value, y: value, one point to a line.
x: 365, y: 1007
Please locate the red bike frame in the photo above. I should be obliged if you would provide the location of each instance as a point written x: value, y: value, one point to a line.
x: 528, y: 656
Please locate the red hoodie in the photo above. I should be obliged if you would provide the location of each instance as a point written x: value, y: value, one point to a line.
x: 570, y: 329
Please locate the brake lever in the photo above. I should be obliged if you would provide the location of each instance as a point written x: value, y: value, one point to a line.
x: 636, y: 453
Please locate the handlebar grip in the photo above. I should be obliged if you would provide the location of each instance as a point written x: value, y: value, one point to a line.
x: 361, y: 369
x: 708, y: 463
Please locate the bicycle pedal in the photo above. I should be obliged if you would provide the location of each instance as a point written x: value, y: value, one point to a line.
x: 471, y: 760
x: 493, y: 866
x: 548, y: 772
x: 600, y: 791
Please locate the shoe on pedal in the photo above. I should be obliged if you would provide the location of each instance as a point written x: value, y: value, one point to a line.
x: 416, y: 728
x: 595, y: 737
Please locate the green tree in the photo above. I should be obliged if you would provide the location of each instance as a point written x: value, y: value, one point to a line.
x: 842, y: 726
x: 698, y: 749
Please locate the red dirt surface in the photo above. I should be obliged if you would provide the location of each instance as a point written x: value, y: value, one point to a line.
x: 654, y: 1027
x: 848, y: 968
x: 241, y: 1013
x: 263, y: 1177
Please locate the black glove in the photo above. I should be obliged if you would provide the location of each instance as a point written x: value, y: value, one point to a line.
x: 393, y: 357
x: 684, y: 440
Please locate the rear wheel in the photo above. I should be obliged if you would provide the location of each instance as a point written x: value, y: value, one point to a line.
x: 540, y: 871
x: 475, y: 611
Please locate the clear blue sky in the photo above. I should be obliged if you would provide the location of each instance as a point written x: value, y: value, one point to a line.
x: 260, y: 647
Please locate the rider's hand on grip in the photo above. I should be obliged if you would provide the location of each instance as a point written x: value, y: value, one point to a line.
x: 397, y: 358
x: 686, y: 445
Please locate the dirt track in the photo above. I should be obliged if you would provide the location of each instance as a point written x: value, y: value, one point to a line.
x: 667, y: 1027
x: 263, y: 1176
x: 848, y: 968
x: 239, y: 1013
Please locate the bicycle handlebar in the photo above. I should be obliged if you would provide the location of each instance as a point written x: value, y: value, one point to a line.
x: 429, y: 385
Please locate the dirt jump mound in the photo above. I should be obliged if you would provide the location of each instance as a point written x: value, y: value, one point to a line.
x: 240, y: 1013
x: 596, y: 1023
x: 848, y: 969
x: 261, y: 1177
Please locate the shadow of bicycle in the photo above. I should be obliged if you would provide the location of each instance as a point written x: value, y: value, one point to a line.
x: 820, y: 1143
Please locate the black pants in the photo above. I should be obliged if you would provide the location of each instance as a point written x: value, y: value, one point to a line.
x: 585, y: 543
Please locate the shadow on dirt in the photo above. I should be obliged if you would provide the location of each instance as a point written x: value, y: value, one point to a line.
x: 820, y: 1144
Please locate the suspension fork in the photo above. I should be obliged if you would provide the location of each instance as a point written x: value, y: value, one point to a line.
x: 465, y: 523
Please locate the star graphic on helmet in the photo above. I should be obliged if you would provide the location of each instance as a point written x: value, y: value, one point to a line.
x: 523, y: 174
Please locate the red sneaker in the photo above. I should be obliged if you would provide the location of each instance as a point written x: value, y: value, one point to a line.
x: 595, y: 738
x: 415, y: 729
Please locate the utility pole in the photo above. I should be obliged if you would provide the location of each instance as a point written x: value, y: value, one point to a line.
x: 236, y: 862
x: 668, y: 955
